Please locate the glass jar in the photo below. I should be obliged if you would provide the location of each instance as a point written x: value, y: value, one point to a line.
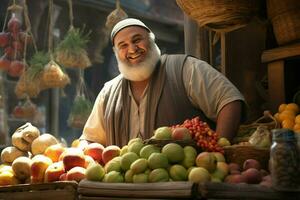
x: 284, y: 160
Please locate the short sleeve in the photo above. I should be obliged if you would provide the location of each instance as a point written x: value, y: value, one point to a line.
x: 208, y: 89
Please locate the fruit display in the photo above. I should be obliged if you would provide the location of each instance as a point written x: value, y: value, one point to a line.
x: 13, y: 42
x: 38, y: 158
x: 288, y: 116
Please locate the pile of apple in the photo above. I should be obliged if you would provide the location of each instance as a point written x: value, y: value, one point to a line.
x: 137, y: 162
x: 250, y: 172
x: 13, y: 42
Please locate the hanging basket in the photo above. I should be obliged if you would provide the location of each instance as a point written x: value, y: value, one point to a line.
x: 80, y: 112
x: 285, y: 18
x: 27, y: 86
x: 54, y: 77
x: 221, y: 15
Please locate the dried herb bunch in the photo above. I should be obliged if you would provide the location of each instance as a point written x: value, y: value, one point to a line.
x: 71, y: 51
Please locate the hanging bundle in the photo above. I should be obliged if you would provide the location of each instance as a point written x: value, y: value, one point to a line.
x: 115, y: 16
x: 71, y: 52
x: 30, y: 83
x: 82, y: 106
x: 25, y: 110
x: 13, y: 41
x: 53, y: 76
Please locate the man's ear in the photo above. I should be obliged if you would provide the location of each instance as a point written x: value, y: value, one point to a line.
x: 114, y: 49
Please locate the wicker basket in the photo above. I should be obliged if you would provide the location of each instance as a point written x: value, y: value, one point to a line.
x: 285, y: 18
x: 221, y: 15
x: 246, y: 130
x: 239, y: 153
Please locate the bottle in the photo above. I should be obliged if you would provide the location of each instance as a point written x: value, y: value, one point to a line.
x: 284, y: 160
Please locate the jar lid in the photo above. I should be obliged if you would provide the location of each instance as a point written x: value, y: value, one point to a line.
x: 283, y: 134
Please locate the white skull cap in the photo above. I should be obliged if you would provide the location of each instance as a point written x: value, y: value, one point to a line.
x: 125, y: 23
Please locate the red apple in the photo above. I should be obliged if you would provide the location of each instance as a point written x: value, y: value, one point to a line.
x: 54, y: 152
x: 76, y: 174
x: 63, y: 177
x: 73, y: 157
x: 38, y: 168
x: 110, y: 152
x: 95, y: 151
x: 54, y: 171
x: 16, y: 68
x: 181, y: 133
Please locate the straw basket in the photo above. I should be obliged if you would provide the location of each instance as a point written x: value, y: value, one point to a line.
x: 239, y: 153
x: 285, y: 18
x: 221, y: 15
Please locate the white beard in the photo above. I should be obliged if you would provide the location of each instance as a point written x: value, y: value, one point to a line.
x: 143, y: 70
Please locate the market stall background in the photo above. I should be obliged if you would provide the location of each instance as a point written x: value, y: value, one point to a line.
x: 164, y: 18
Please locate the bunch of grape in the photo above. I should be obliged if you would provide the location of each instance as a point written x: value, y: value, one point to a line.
x: 206, y: 138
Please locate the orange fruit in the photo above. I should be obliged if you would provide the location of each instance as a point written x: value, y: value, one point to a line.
x: 292, y: 106
x: 281, y: 107
x: 288, y: 123
x: 287, y: 114
x: 276, y: 116
x: 297, y: 119
x: 296, y: 127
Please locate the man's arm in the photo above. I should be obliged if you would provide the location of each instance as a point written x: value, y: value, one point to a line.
x: 229, y: 119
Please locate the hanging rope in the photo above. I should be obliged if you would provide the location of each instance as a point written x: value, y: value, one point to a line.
x: 28, y: 25
x: 71, y: 14
x: 5, y: 18
x: 50, y: 36
x: 118, y: 6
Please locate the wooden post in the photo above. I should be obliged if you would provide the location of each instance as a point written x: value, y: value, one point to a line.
x: 196, y: 39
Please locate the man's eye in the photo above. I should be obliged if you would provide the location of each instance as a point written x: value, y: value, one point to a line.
x: 123, y: 46
x: 137, y: 40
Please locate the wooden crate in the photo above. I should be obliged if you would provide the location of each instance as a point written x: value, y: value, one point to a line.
x: 242, y: 191
x: 63, y: 190
x: 89, y: 190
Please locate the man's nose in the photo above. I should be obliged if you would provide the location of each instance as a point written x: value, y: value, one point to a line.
x: 132, y: 48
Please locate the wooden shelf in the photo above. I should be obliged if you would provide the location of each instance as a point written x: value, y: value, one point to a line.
x: 276, y: 60
x: 280, y: 53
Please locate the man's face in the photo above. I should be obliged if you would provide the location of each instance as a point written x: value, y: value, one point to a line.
x: 132, y: 44
x: 136, y: 53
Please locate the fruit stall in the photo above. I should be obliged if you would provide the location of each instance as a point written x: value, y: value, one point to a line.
x: 188, y: 160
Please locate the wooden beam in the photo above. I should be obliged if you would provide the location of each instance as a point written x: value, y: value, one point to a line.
x: 280, y: 53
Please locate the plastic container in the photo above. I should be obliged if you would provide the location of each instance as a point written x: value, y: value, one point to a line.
x: 284, y: 160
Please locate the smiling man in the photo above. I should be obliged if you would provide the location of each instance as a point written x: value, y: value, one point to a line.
x: 155, y: 90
